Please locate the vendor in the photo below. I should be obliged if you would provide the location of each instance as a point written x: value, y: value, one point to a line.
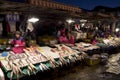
x: 77, y: 27
x: 95, y: 40
x: 18, y: 43
x: 66, y: 38
x: 61, y: 31
x: 118, y: 34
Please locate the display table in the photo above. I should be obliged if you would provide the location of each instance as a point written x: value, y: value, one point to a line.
x: 40, y: 59
x: 50, y: 60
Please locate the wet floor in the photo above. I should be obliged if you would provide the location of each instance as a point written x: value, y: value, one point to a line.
x: 87, y: 73
x: 77, y: 72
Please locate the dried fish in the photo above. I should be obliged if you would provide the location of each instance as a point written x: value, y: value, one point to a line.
x: 62, y: 61
x: 11, y: 76
x: 68, y: 61
x: 31, y: 67
x: 29, y: 70
x: 52, y: 62
x: 43, y: 66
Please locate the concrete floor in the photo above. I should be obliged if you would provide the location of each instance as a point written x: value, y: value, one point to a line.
x: 87, y: 73
x: 76, y: 73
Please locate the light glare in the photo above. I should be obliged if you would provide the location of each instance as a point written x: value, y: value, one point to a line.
x: 33, y: 20
x: 70, y: 21
x: 117, y: 29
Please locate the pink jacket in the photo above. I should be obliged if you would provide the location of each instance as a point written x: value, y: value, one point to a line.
x: 94, y: 42
x: 64, y: 39
x: 62, y: 32
x: 21, y: 45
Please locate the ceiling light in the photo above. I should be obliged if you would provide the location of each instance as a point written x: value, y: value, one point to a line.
x: 117, y: 29
x: 70, y: 21
x: 33, y: 20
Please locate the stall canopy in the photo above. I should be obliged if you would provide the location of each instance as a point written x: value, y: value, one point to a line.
x: 40, y: 8
x: 49, y: 9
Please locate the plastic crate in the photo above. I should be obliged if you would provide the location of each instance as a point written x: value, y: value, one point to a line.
x: 91, y: 61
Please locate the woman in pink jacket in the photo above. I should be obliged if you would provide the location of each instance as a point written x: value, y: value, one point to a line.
x: 18, y: 43
x: 67, y: 38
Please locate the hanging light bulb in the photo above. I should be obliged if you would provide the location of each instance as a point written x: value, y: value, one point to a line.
x: 33, y: 20
x: 69, y: 21
x: 83, y: 24
x: 117, y: 29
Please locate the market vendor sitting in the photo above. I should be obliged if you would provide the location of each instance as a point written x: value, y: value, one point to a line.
x: 18, y: 43
x: 95, y: 40
x: 66, y: 38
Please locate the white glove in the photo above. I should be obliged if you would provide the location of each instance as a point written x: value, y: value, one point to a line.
x: 10, y: 41
x: 16, y: 45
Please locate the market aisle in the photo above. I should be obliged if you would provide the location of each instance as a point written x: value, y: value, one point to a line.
x: 87, y: 73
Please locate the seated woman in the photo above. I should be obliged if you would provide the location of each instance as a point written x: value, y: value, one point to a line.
x: 18, y: 43
x: 66, y: 38
x: 61, y: 31
x: 95, y: 41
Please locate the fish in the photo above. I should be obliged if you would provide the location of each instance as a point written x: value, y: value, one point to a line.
x: 18, y: 68
x: 11, y: 66
x: 31, y: 67
x: 52, y: 64
x: 44, y: 67
x: 68, y: 61
x: 61, y: 59
x: 18, y: 71
x: 71, y: 58
x: 15, y: 71
x: 60, y: 63
x: 65, y: 62
x: 41, y: 68
x: 29, y: 70
x: 76, y: 57
x: 11, y: 75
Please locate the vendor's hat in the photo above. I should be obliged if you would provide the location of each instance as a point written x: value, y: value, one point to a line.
x: 18, y: 32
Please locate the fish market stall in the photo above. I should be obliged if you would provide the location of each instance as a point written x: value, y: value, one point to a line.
x: 44, y: 58
x: 18, y: 65
x: 35, y: 59
x: 64, y: 51
x: 38, y: 59
x: 112, y: 41
x: 86, y: 47
x: 107, y: 45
